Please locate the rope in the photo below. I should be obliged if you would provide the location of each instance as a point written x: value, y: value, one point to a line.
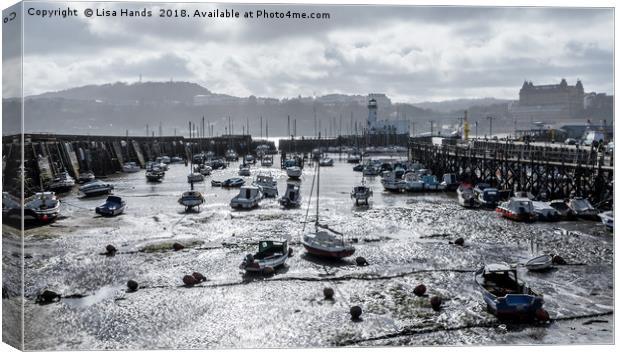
x: 76, y: 206
x: 309, y: 202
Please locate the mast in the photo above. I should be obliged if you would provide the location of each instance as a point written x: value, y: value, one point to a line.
x: 318, y: 182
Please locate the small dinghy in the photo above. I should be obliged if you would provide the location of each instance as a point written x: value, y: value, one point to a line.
x: 113, y: 206
x: 291, y: 197
x: 195, y: 177
x: 271, y: 254
x: 507, y: 297
x: 154, y: 175
x: 326, y: 162
x: 267, y: 161
x: 465, y: 195
x: 540, y: 263
x: 249, y: 197
x: 293, y: 172
x: 244, y: 170
x: 233, y: 182
x: 96, y: 188
x: 190, y: 199
x: 215, y: 183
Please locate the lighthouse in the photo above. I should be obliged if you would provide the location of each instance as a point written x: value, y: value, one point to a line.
x: 372, y: 113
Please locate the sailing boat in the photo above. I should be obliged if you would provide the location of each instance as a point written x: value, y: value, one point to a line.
x: 323, y: 241
x: 361, y: 193
x: 190, y: 199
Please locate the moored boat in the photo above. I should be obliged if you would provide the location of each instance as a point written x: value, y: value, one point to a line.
x: 131, y: 167
x: 249, y: 197
x: 540, y: 263
x: 465, y: 195
x: 96, y: 188
x: 545, y: 212
x: 267, y: 184
x: 195, y: 177
x: 42, y: 206
x: 271, y: 254
x: 562, y: 208
x: 190, y: 199
x: 326, y: 162
x: 63, y: 182
x: 486, y: 195
x: 291, y: 197
x: 266, y: 161
x: 449, y: 182
x: 583, y: 209
x: 518, y: 209
x: 293, y: 172
x: 607, y: 218
x: 391, y: 182
x: 231, y: 155
x: 244, y: 170
x: 361, y: 193
x: 233, y: 182
x: 507, y: 297
x: 154, y: 175
x: 113, y: 206
x: 86, y: 176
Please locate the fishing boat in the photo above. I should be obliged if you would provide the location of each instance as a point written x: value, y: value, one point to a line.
x: 249, y: 159
x: 113, y: 206
x: 326, y: 162
x: 154, y: 175
x: 267, y: 161
x: 582, y: 208
x: 195, y: 177
x: 391, y: 182
x: 131, y: 167
x: 86, y: 176
x: 42, y: 206
x: 506, y: 296
x: 63, y: 182
x: 540, y: 263
x: 267, y: 184
x: 231, y: 155
x: 96, y: 188
x: 607, y: 218
x: 361, y: 193
x: 431, y: 183
x: 545, y: 212
x: 190, y: 199
x: 293, y: 172
x: 465, y: 195
x: 217, y: 164
x: 486, y: 195
x: 249, y: 197
x: 271, y: 254
x: 291, y: 197
x: 323, y: 241
x: 244, y: 170
x: 233, y: 182
x: 562, y: 208
x: 518, y: 209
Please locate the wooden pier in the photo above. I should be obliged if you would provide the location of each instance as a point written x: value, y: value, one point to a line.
x: 558, y: 171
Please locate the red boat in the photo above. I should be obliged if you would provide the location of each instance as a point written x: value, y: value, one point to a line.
x: 518, y: 209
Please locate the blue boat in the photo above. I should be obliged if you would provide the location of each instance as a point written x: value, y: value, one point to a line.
x: 233, y: 182
x: 507, y: 297
x: 113, y: 206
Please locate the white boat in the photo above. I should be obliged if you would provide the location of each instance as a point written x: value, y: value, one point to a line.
x: 205, y: 170
x: 562, y: 208
x: 271, y: 254
x: 583, y: 208
x: 293, y: 172
x: 323, y: 241
x: 267, y: 184
x: 486, y: 195
x: 361, y: 193
x: 42, y: 206
x: 96, y: 188
x: 231, y: 155
x: 267, y: 161
x: 391, y: 182
x: 354, y: 158
x: 190, y: 199
x: 326, y: 162
x: 519, y: 209
x: 465, y: 195
x: 86, y: 176
x: 545, y: 212
x: 249, y: 197
x: 249, y: 159
x: 195, y: 177
x: 540, y: 263
x: 166, y: 159
x: 63, y: 182
x: 244, y: 170
x: 131, y: 167
x: 607, y: 218
x: 291, y: 197
x: 412, y: 182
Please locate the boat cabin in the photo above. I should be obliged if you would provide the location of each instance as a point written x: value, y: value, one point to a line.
x: 501, y: 279
x: 268, y: 248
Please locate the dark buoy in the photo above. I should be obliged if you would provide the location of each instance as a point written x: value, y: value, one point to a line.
x: 199, y: 277
x: 361, y: 261
x: 189, y: 280
x: 436, y: 303
x: 419, y: 290
x: 290, y: 252
x: 459, y: 241
x: 356, y: 312
x: 110, y: 249
x: 177, y: 246
x: 48, y: 296
x: 132, y: 285
x: 557, y: 260
x: 355, y: 240
x: 268, y: 271
x: 542, y: 315
x: 328, y: 292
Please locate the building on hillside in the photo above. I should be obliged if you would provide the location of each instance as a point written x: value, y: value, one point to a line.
x: 549, y: 102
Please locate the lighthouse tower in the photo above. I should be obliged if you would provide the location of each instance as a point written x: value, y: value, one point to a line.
x: 372, y: 113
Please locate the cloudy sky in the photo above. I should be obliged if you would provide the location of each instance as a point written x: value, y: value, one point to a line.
x: 411, y: 53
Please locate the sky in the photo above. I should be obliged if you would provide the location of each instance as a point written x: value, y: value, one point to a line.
x: 413, y: 53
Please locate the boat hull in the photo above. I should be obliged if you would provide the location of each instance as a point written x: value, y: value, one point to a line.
x: 329, y: 254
